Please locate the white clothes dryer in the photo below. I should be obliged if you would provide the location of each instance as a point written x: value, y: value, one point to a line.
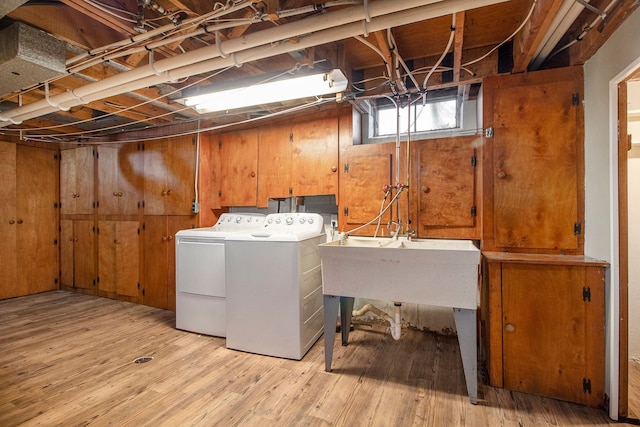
x: 274, y: 286
x: 200, y: 273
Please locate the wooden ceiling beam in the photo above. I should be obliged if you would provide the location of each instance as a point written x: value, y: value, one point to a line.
x: 458, y: 42
x: 581, y: 51
x: 527, y: 41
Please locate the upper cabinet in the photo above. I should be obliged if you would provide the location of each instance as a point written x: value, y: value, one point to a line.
x: 119, y: 179
x: 169, y: 176
x: 533, y: 162
x: 314, y: 157
x: 76, y: 181
x: 445, y: 188
x: 274, y: 162
x: 238, y: 168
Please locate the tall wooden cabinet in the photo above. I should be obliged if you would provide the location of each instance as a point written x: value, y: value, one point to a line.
x: 120, y: 175
x: 77, y: 195
x: 119, y: 258
x: 534, y: 162
x: 78, y: 254
x: 545, y: 325
x: 28, y: 220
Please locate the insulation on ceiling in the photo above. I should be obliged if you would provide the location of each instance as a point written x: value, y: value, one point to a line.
x: 28, y: 56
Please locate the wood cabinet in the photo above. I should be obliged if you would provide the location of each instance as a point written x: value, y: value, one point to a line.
x: 444, y: 189
x: 534, y: 162
x: 169, y: 176
x: 159, y: 286
x: 314, y: 157
x: 239, y: 168
x: 544, y: 325
x: 120, y: 177
x: 118, y: 258
x: 274, y: 163
x: 78, y: 253
x: 365, y: 171
x: 28, y: 220
x: 77, y: 181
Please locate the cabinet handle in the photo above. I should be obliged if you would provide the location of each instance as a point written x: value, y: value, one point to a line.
x: 11, y: 222
x: 426, y: 189
x: 502, y: 174
x: 19, y: 221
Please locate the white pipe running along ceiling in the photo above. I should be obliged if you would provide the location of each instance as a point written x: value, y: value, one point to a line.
x: 313, y: 31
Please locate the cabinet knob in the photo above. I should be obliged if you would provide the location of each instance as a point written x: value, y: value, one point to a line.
x: 426, y: 189
x: 119, y: 193
x: 164, y: 192
x: 502, y: 174
x: 168, y: 192
x: 116, y: 241
x: 169, y: 238
x: 334, y: 168
x: 164, y: 239
x: 11, y: 222
x: 253, y: 174
x: 19, y: 221
x: 115, y: 193
x: 509, y: 327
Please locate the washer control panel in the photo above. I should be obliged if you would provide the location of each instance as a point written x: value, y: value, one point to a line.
x: 294, y: 223
x: 239, y: 222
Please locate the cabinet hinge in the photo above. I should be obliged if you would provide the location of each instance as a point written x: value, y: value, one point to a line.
x: 93, y: 229
x: 94, y: 282
x: 474, y: 161
x: 98, y: 230
x: 138, y: 231
x: 219, y: 193
x: 143, y: 204
x: 97, y: 154
x: 142, y: 146
x: 143, y: 292
x: 55, y: 241
x: 474, y: 211
x: 143, y: 226
x: 577, y: 228
x: 97, y: 203
x: 290, y: 191
x: 291, y: 137
x: 575, y: 99
x: 488, y: 132
x: 219, y: 145
x: 98, y: 280
x: 55, y: 280
x: 346, y: 168
x: 346, y: 211
x: 55, y: 157
x: 586, y: 294
x: 138, y: 205
x: 55, y: 205
x: 193, y: 140
x: 586, y: 385
x: 138, y: 285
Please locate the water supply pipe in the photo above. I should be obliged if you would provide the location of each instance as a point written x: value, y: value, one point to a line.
x: 309, y: 32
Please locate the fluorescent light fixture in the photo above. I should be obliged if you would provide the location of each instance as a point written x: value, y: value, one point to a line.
x: 306, y: 86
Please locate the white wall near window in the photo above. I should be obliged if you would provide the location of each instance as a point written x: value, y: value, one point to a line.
x: 633, y: 181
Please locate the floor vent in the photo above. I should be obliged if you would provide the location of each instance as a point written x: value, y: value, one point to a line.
x: 143, y: 359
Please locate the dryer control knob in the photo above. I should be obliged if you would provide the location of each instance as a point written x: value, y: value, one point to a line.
x: 302, y: 220
x: 289, y: 220
x: 310, y: 220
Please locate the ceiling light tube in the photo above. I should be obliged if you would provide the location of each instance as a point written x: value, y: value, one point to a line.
x: 307, y: 86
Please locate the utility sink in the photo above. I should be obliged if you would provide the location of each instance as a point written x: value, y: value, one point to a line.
x: 434, y: 272
x: 423, y: 271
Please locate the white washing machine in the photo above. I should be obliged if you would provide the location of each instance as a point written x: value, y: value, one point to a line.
x: 274, y: 286
x: 200, y: 273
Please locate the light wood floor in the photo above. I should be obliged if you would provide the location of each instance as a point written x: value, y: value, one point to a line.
x: 67, y: 359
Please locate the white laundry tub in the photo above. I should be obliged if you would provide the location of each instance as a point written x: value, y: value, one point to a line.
x: 424, y: 271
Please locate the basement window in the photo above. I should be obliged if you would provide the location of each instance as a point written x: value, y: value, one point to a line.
x: 444, y: 112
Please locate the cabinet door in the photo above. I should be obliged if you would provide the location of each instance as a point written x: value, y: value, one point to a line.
x: 66, y: 252
x: 553, y: 335
x: 118, y: 257
x: 314, y: 159
x: 119, y: 179
x: 37, y: 243
x: 274, y: 163
x: 534, y: 186
x: 169, y: 176
x: 366, y: 170
x: 8, y: 225
x: 76, y: 181
x: 156, y: 258
x: 239, y: 166
x: 84, y: 252
x: 446, y: 186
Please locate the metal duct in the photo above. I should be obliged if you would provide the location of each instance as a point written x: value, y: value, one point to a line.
x: 28, y: 56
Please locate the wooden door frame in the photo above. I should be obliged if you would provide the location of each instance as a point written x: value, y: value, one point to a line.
x: 617, y: 348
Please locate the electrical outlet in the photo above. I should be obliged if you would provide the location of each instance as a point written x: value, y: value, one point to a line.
x: 195, y: 207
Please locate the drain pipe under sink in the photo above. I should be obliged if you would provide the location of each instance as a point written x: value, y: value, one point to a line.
x: 395, y: 325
